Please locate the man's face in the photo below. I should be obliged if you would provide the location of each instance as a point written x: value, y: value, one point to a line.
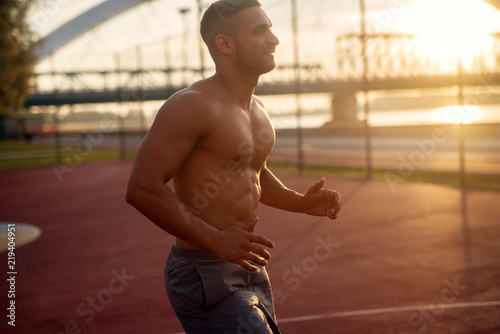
x: 255, y: 42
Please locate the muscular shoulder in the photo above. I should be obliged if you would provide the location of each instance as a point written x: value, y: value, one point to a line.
x: 193, y: 108
x: 192, y: 101
x: 184, y: 119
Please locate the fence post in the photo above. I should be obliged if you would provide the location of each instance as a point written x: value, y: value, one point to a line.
x: 57, y: 136
x: 298, y: 103
x: 122, y: 138
x: 368, y: 137
x: 461, y: 135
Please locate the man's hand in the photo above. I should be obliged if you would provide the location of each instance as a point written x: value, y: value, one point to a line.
x: 322, y: 202
x: 238, y: 246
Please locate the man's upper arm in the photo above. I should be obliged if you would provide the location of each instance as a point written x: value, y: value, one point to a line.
x: 179, y: 124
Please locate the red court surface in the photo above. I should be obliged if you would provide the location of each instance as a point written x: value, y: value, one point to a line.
x: 417, y: 258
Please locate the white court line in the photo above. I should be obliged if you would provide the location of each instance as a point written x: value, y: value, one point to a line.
x: 381, y: 311
x: 385, y: 310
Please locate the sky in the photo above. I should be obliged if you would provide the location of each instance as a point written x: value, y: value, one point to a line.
x: 449, y: 25
x: 445, y: 29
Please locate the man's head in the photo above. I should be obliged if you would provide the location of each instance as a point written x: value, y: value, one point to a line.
x: 220, y: 19
x: 238, y: 32
x: 229, y: 27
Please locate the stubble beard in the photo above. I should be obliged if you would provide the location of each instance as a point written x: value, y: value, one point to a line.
x: 257, y: 62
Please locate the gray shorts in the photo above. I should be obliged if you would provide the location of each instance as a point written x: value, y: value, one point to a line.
x: 210, y: 295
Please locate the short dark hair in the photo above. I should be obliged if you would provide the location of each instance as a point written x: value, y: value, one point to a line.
x: 218, y: 19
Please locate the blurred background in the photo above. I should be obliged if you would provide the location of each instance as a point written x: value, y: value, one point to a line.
x: 396, y: 91
x: 362, y: 87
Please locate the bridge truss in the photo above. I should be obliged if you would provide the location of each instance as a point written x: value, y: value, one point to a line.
x: 395, y: 61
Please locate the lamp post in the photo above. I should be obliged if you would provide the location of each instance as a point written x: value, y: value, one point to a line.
x: 200, y: 41
x: 185, y: 63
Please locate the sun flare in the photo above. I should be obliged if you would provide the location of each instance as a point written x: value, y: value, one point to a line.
x: 451, y: 29
x: 458, y: 114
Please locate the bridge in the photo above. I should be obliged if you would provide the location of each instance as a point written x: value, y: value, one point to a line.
x: 361, y: 62
x: 395, y: 61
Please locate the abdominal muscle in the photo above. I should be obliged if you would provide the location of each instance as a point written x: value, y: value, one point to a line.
x: 221, y: 202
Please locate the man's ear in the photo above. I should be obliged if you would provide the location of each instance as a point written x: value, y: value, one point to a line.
x: 225, y: 44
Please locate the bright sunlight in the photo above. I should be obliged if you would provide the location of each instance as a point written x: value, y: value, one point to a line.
x: 449, y: 29
x: 458, y: 114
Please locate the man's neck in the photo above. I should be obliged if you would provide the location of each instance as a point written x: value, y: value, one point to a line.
x: 240, y: 86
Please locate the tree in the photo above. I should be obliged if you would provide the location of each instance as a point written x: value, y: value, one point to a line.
x: 16, y: 56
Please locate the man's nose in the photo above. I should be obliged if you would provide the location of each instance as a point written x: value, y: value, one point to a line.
x: 274, y: 39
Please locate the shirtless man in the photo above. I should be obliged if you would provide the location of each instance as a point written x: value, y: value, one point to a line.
x: 213, y: 139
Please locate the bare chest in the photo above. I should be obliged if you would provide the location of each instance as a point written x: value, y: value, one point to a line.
x: 244, y: 137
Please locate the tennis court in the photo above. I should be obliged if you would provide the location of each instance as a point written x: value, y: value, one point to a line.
x: 406, y: 258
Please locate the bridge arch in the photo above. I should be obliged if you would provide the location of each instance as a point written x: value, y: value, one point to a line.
x: 81, y: 24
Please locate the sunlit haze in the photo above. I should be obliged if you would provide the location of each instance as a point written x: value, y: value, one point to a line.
x: 450, y: 28
x: 445, y: 31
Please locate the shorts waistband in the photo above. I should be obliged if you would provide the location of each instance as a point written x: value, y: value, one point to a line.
x: 192, y: 253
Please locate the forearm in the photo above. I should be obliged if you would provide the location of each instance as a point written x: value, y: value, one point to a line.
x: 277, y: 195
x: 160, y: 205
